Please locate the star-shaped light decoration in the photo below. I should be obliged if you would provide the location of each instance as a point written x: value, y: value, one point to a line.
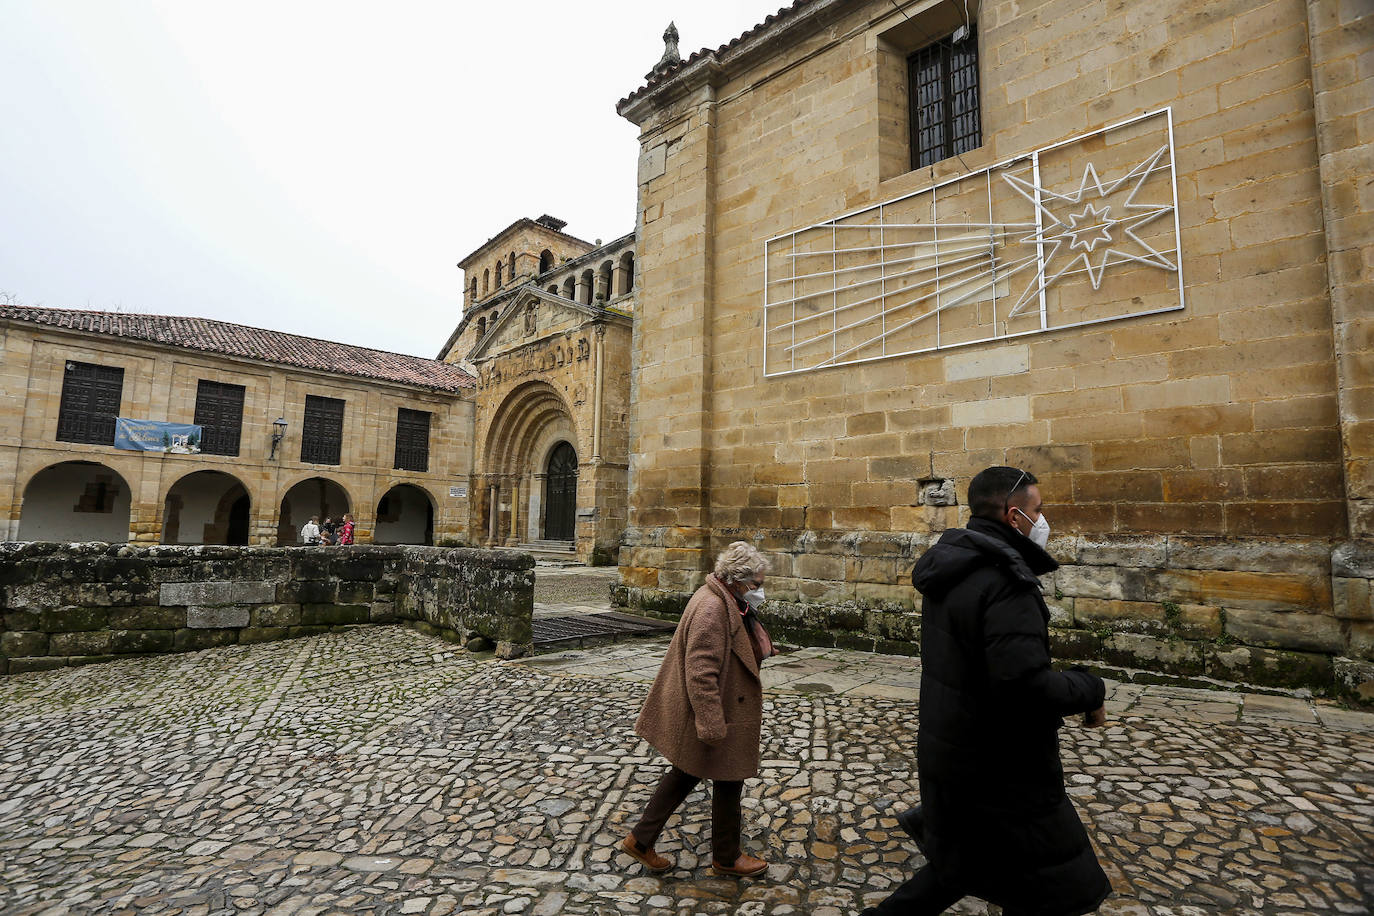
x: 1088, y: 235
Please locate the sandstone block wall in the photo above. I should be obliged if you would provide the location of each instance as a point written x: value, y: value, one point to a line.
x: 161, y: 383
x: 73, y: 604
x: 1238, y: 422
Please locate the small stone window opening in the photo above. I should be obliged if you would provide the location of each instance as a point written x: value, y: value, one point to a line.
x: 474, y: 289
x: 486, y: 281
x: 481, y: 328
x: 499, y: 266
x: 627, y: 273
x: 510, y: 271
x: 945, y: 114
x: 545, y: 261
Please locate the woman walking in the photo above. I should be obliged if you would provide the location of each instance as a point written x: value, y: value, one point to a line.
x: 705, y: 711
x: 346, y: 532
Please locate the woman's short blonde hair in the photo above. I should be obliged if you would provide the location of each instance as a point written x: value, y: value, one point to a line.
x: 739, y: 562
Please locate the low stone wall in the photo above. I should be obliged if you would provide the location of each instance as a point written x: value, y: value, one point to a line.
x: 70, y: 604
x: 1280, y: 612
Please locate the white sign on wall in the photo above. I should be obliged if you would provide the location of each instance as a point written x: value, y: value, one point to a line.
x: 1077, y: 233
x: 458, y: 492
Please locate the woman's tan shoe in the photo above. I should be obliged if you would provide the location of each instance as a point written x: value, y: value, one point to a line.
x: 652, y: 860
x: 746, y: 866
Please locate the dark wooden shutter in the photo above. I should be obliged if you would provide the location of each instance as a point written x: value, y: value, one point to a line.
x: 219, y: 413
x: 322, y: 430
x: 91, y: 396
x: 412, y: 439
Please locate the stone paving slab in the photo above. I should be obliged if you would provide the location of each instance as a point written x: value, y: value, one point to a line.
x: 376, y: 770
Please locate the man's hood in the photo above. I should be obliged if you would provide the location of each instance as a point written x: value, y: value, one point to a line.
x: 962, y: 551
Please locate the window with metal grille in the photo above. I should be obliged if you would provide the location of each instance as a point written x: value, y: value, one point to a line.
x: 90, y: 403
x: 219, y: 414
x: 945, y: 117
x: 322, y: 430
x: 412, y: 439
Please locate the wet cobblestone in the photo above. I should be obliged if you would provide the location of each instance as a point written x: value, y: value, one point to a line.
x: 379, y: 771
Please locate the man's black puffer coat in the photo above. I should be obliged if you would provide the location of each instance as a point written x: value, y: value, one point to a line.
x: 998, y: 822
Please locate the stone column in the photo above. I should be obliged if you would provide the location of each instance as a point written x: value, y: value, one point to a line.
x: 583, y: 293
x: 617, y: 278
x: 599, y: 357
x: 1339, y: 38
x: 493, y: 518
x: 514, y: 537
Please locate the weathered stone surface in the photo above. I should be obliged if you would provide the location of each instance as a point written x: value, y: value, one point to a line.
x: 217, y: 617
x: 250, y: 635
x: 1279, y: 668
x: 276, y: 615
x: 23, y: 643
x: 1311, y: 632
x: 1351, y: 599
x: 72, y: 619
x: 1354, y: 560
x: 334, y: 614
x: 1252, y: 555
x: 191, y: 640
x: 147, y: 618
x: 216, y: 593
x: 142, y: 641
x: 1136, y: 650
x: 1122, y: 550
x: 96, y: 642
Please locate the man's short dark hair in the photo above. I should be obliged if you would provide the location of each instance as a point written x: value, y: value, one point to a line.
x: 992, y: 489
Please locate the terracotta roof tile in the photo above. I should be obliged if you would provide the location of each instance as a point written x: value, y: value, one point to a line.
x: 211, y: 336
x: 659, y: 76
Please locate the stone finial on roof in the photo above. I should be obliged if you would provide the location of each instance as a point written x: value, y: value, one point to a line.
x: 671, y: 57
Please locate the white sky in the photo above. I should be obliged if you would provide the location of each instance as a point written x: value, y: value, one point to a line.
x: 313, y: 167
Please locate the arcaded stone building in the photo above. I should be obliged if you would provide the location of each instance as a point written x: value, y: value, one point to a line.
x: 293, y: 427
x: 1125, y: 245
x: 546, y: 330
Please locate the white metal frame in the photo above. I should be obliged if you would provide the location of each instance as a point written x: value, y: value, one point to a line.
x: 975, y: 251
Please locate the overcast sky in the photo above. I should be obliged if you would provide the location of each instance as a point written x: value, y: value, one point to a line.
x: 313, y: 167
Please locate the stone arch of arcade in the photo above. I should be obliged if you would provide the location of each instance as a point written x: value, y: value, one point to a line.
x: 524, y: 433
x: 206, y: 507
x: 405, y: 515
x: 312, y: 495
x: 76, y: 501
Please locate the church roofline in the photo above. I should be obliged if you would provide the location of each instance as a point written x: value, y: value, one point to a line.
x: 707, y: 62
x: 523, y: 222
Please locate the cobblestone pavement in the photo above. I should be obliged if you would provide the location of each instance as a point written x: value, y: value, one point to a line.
x: 573, y: 590
x: 376, y: 770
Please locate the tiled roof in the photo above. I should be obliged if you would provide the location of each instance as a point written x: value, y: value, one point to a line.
x: 660, y: 75
x: 211, y: 336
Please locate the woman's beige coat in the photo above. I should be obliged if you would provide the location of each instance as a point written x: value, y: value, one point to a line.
x: 705, y: 710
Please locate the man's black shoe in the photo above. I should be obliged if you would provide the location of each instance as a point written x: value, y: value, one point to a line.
x: 913, y: 821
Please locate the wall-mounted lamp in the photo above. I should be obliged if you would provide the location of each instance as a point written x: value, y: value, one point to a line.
x: 278, y: 430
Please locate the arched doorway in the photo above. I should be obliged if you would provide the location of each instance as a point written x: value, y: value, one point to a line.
x: 206, y: 507
x: 76, y: 501
x: 317, y: 496
x: 560, y: 494
x: 405, y: 515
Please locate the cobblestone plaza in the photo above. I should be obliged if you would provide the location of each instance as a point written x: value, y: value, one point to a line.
x: 378, y: 770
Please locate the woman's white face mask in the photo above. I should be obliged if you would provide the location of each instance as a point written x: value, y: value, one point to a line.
x: 754, y: 597
x: 1040, y: 529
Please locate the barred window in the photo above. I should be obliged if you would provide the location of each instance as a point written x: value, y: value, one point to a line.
x: 945, y: 115
x: 90, y: 402
x: 322, y: 430
x: 412, y: 439
x: 219, y: 414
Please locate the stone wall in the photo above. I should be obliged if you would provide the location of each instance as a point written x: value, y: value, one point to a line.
x: 1277, y: 612
x: 71, y: 604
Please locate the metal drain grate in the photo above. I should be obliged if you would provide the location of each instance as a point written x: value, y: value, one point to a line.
x: 552, y: 630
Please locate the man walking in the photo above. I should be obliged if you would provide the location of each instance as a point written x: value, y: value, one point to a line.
x: 994, y: 820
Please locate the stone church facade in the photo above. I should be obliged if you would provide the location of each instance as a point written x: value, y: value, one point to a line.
x: 546, y: 330
x: 1124, y: 245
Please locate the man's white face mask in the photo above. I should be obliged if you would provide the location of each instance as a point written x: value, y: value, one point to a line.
x: 1040, y: 529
